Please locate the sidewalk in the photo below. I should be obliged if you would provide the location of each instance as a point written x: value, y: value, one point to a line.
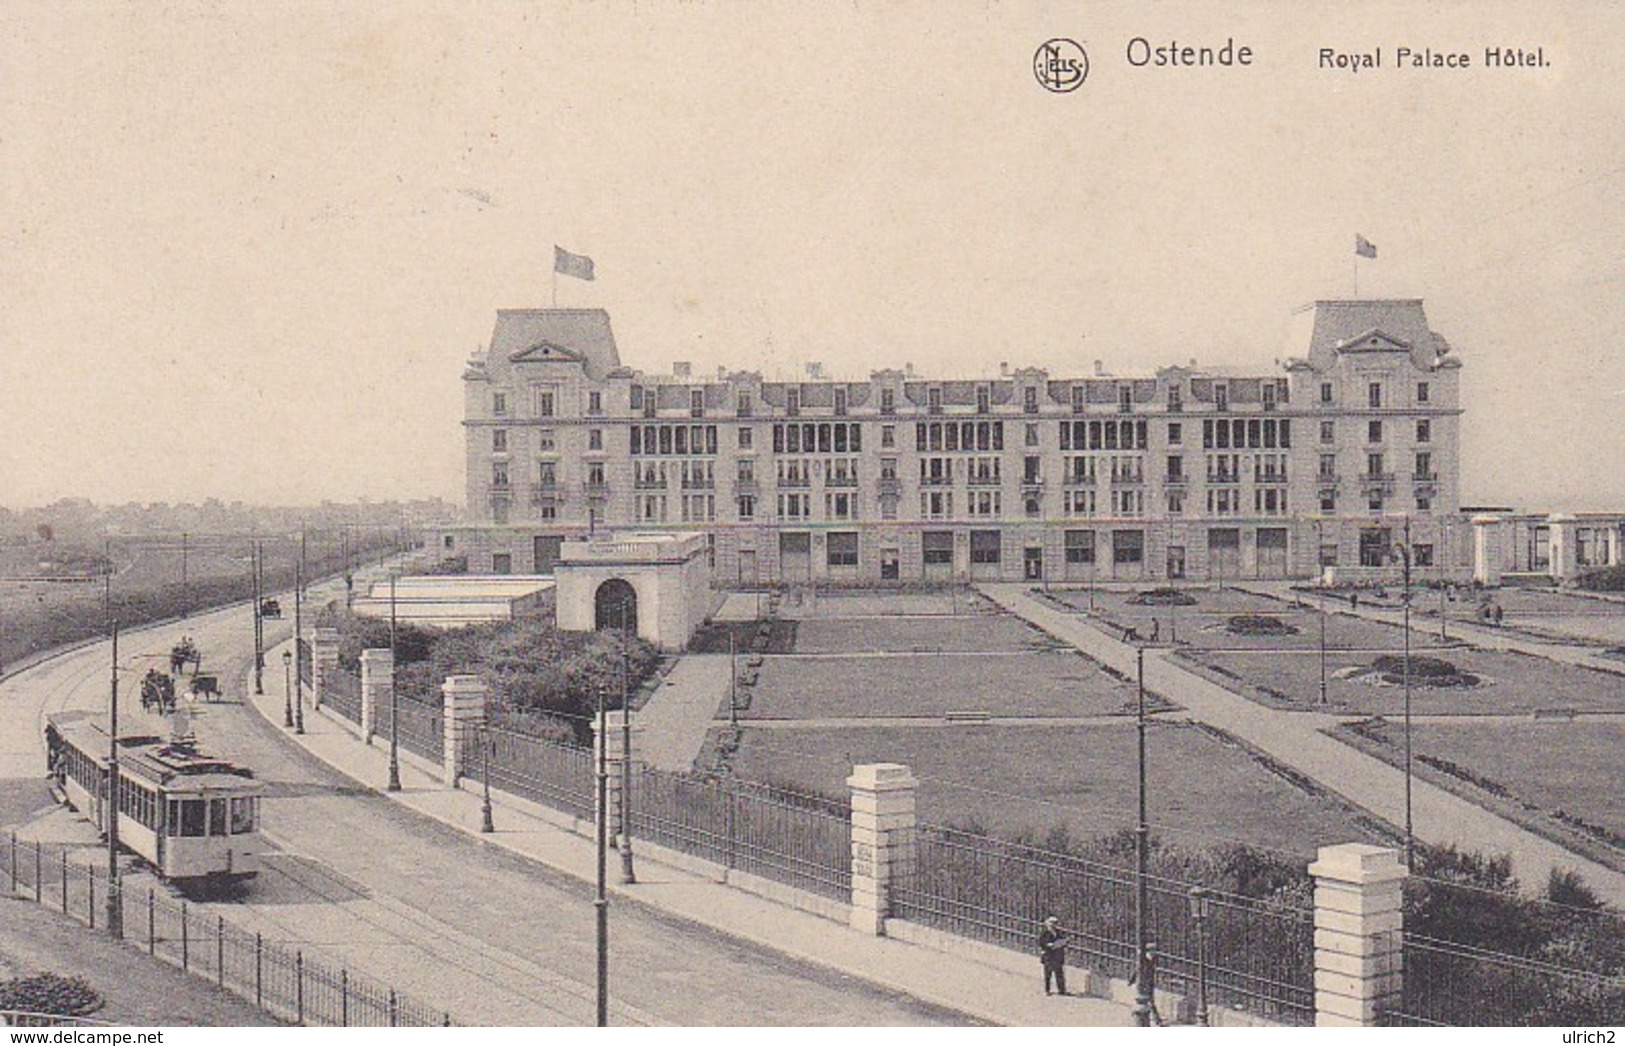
x: 979, y: 991
x: 677, y: 716
x: 1296, y: 740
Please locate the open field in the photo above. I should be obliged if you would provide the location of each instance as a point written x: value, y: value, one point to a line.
x: 1203, y: 790
x: 1510, y: 684
x: 1053, y: 683
x: 1556, y: 776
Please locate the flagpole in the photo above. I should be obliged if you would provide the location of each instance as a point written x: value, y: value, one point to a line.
x: 1356, y: 278
x: 555, y: 285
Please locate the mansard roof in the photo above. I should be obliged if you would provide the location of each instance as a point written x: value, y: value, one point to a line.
x: 526, y: 335
x: 1336, y: 327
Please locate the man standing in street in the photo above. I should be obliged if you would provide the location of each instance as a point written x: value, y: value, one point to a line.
x: 1052, y: 952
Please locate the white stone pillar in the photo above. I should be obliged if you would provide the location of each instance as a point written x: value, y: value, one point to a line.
x: 1359, y: 969
x: 377, y: 672
x: 883, y: 839
x: 324, y: 659
x: 618, y: 751
x: 1562, y: 548
x: 464, y: 697
x: 1488, y: 555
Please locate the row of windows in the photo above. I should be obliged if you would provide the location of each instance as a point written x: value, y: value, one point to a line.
x: 674, y: 439
x: 821, y: 438
x: 963, y: 435
x: 1106, y: 435
x: 1246, y: 434
x: 1373, y: 393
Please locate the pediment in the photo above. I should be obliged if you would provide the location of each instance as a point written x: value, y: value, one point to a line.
x: 547, y: 352
x: 1373, y: 340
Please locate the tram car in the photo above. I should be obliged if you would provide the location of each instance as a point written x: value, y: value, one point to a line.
x: 193, y: 817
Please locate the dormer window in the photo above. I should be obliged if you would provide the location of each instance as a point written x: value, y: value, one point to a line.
x: 1029, y: 399
x: 1269, y: 395
x: 544, y: 403
x: 1080, y: 397
x: 933, y: 399
x: 888, y: 401
x: 984, y: 399
x: 840, y: 399
x: 742, y: 403
x: 1125, y: 398
x: 792, y: 400
x: 696, y: 403
x: 1176, y: 401
x: 1221, y: 397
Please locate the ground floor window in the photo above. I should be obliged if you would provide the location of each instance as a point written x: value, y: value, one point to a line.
x: 841, y: 548
x: 937, y: 546
x: 1374, y: 544
x: 501, y: 563
x: 1080, y: 546
x: 1128, y: 546
x: 984, y: 546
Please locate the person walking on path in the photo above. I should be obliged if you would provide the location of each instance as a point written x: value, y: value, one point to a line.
x: 1052, y: 953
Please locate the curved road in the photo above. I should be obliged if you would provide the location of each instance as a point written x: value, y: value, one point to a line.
x: 461, y: 926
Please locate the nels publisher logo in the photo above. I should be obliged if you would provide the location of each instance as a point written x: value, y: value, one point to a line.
x: 1060, y: 65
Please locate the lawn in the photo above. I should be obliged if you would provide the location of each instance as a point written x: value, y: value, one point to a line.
x: 1001, y: 634
x: 1051, y: 683
x: 1551, y: 765
x: 1202, y: 790
x: 803, y: 603
x: 1511, y: 684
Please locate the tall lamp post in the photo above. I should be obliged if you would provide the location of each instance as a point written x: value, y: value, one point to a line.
x: 1201, y: 908
x: 1320, y: 583
x: 628, y: 875
x: 600, y: 901
x: 487, y: 825
x: 257, y: 564
x: 299, y: 638
x: 1403, y: 550
x: 287, y: 689
x: 1142, y: 857
x: 394, y: 784
x: 115, y: 898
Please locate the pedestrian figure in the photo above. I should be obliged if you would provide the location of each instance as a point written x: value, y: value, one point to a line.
x: 1497, y: 613
x: 1354, y: 601
x: 1131, y: 634
x: 1156, y: 629
x: 1052, y: 953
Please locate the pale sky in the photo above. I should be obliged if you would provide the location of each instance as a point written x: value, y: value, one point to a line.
x: 245, y: 249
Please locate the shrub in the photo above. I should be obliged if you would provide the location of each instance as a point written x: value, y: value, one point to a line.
x: 1163, y: 597
x: 50, y: 993
x: 1603, y: 579
x: 1258, y: 625
x: 1425, y: 671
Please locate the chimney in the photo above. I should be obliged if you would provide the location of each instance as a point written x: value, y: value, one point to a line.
x: 1100, y: 368
x: 722, y: 372
x: 815, y: 371
x: 682, y: 369
x: 908, y: 370
x: 1193, y: 363
x: 1004, y: 368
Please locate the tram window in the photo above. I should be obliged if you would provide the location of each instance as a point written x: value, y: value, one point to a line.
x: 192, y: 817
x: 242, y: 816
x: 217, y: 817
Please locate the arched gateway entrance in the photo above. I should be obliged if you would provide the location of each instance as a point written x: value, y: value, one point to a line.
x: 616, y: 598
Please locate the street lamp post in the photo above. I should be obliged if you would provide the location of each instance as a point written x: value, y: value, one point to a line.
x: 394, y: 784
x: 487, y: 826
x: 628, y: 875
x: 1320, y: 582
x: 600, y: 900
x: 115, y: 898
x: 287, y: 689
x: 257, y: 566
x: 299, y: 638
x: 1404, y: 550
x: 1201, y: 903
x: 1142, y: 856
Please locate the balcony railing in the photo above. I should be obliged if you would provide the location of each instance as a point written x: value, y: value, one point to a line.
x: 596, y: 488
x: 745, y: 484
x: 1032, y: 482
x: 1271, y: 477
x: 545, y: 495
x: 699, y: 484
x: 1376, y: 477
x: 1326, y: 478
x: 841, y: 481
x: 936, y: 481
x: 794, y: 482
x: 1077, y: 479
x: 985, y: 481
x: 1224, y: 477
x: 890, y: 485
x: 1180, y: 480
x: 1128, y: 479
x: 1425, y: 477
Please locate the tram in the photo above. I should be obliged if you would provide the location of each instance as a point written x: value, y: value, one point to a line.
x: 193, y: 817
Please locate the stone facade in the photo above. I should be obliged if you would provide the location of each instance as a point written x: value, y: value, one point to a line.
x: 661, y: 581
x: 1187, y: 472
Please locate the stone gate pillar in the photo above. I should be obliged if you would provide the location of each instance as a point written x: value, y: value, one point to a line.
x: 1359, y: 969
x: 883, y: 840
x: 616, y: 755
x: 377, y: 672
x: 464, y: 697
x: 324, y: 658
x: 1488, y: 553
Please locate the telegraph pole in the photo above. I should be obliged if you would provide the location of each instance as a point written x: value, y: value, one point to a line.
x: 298, y: 639
x: 627, y: 873
x: 394, y: 784
x: 258, y: 561
x: 1410, y: 834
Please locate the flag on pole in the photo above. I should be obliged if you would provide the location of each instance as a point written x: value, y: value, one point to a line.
x: 1362, y: 246
x: 567, y: 264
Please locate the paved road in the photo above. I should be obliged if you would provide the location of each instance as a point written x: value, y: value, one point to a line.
x: 464, y: 927
x: 1295, y: 739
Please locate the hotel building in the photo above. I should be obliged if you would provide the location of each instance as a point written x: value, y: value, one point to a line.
x: 1188, y: 472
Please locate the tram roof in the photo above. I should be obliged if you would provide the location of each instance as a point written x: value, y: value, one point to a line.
x: 172, y: 764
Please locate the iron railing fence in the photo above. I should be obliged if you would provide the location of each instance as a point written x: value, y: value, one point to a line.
x: 341, y: 690
x: 1259, y: 954
x: 282, y: 981
x: 422, y: 730
x: 1451, y: 984
x: 35, y: 1019
x: 548, y: 772
x: 799, y: 840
